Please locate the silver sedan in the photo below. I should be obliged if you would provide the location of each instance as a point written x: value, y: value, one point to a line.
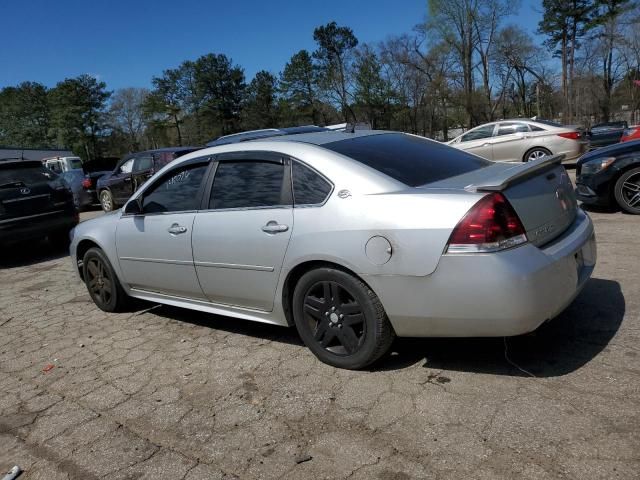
x: 522, y: 141
x: 354, y: 238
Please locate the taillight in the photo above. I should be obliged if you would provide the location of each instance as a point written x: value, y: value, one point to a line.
x: 570, y: 135
x: 86, y: 183
x: 491, y: 225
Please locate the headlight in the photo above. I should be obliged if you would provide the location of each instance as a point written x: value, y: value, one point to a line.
x: 597, y: 165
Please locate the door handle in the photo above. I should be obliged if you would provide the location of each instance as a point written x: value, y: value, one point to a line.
x: 176, y: 229
x: 127, y: 179
x: 274, y: 227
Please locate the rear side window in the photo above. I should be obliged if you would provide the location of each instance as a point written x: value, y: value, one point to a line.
x: 178, y: 191
x: 75, y: 163
x: 411, y: 160
x: 309, y: 188
x: 248, y: 184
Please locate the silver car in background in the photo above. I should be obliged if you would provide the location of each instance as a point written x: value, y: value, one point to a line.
x: 522, y: 141
x: 354, y: 238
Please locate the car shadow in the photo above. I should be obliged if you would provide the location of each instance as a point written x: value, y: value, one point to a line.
x: 557, y: 348
x: 29, y: 253
x: 237, y: 326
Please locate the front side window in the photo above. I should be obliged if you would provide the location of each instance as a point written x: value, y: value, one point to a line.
x: 478, y: 133
x: 177, y: 191
x: 248, y: 184
x: 142, y: 163
x: 309, y: 188
x: 126, y: 167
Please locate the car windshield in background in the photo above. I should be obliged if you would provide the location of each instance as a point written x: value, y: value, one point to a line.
x: 75, y: 163
x: 411, y: 160
x: 26, y: 174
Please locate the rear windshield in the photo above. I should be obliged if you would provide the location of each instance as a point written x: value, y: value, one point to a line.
x: 27, y: 174
x: 411, y: 160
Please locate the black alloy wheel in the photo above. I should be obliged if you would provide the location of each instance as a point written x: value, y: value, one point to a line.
x: 335, y: 317
x: 101, y: 281
x: 340, y: 319
x: 627, y: 191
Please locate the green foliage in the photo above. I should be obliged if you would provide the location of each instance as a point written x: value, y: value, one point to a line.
x: 260, y: 109
x: 299, y: 89
x: 78, y: 114
x: 335, y: 44
x: 25, y: 117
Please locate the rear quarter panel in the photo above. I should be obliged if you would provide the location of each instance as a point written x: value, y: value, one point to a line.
x: 417, y: 226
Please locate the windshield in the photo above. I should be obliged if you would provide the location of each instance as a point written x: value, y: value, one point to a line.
x: 409, y: 159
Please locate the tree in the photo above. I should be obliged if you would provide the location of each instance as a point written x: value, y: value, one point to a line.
x: 298, y: 86
x: 608, y: 34
x: 127, y: 114
x: 219, y: 89
x: 565, y: 22
x: 260, y: 105
x: 25, y: 118
x: 335, y: 45
x: 78, y: 114
x: 172, y: 98
x: 372, y: 92
x: 453, y: 21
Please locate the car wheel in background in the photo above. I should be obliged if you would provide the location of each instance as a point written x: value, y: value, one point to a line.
x: 340, y: 319
x: 102, y: 283
x: 535, y: 154
x: 106, y: 201
x: 627, y: 191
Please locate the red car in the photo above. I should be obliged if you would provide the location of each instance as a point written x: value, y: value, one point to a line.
x: 631, y: 133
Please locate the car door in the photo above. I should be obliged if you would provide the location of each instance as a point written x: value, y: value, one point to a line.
x: 511, y: 141
x: 478, y: 141
x: 154, y: 246
x: 142, y: 171
x: 120, y: 182
x: 240, y: 241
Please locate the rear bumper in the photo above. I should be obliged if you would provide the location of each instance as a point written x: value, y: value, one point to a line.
x: 486, y: 295
x: 39, y: 225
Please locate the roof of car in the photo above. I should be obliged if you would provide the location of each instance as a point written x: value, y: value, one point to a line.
x: 320, y: 138
x: 168, y: 149
x: 263, y: 134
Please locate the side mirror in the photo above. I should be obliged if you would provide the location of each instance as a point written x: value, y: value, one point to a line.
x: 133, y: 207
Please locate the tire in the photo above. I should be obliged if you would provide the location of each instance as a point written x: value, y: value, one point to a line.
x: 106, y: 201
x: 627, y: 191
x: 102, y: 283
x: 535, y: 154
x: 340, y: 319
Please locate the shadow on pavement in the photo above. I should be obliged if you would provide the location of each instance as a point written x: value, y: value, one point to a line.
x: 557, y: 348
x: 237, y: 326
x: 29, y: 253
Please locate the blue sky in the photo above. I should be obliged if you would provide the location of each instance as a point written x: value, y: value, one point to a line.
x: 125, y: 43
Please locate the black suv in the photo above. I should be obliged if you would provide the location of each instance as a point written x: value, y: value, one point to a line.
x: 34, y: 203
x: 115, y: 188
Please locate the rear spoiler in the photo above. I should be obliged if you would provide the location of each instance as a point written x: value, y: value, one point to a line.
x: 515, y: 174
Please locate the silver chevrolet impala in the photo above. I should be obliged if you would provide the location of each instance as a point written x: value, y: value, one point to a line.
x: 354, y: 238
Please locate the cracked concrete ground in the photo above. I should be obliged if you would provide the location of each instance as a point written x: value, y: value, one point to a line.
x: 169, y: 393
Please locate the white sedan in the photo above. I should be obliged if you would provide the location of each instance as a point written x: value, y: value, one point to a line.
x: 522, y: 140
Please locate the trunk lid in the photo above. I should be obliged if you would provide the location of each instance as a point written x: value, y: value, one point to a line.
x: 540, y: 192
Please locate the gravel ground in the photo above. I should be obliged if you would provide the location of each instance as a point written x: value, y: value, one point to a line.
x: 167, y: 393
